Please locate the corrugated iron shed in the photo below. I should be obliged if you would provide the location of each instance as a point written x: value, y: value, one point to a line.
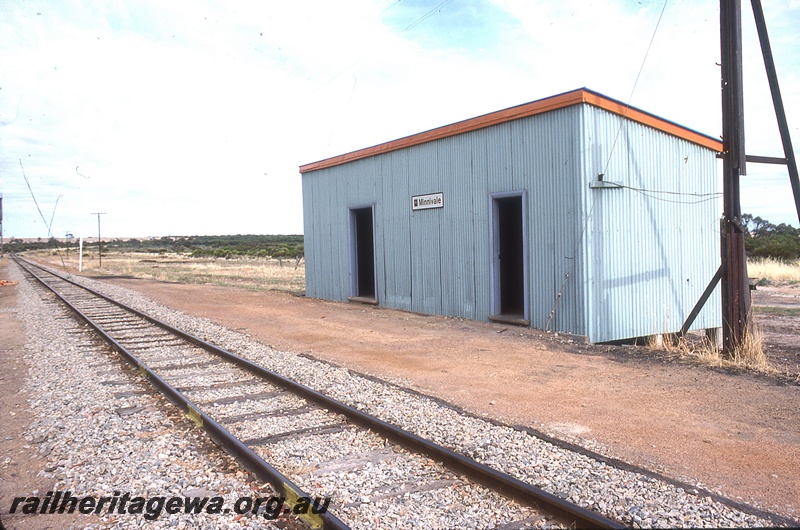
x: 612, y: 211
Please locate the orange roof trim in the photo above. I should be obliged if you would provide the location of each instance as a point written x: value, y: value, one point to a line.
x: 560, y: 101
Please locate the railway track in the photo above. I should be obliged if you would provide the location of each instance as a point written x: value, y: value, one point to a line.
x: 274, y: 427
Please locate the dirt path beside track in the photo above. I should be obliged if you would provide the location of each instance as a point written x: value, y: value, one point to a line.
x: 20, y: 463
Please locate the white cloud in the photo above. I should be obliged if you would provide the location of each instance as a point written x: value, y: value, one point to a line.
x: 192, y: 117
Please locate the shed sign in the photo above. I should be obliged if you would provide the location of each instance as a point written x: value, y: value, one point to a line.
x: 426, y: 202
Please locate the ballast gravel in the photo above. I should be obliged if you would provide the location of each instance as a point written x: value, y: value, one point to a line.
x: 631, y: 498
x: 98, y: 434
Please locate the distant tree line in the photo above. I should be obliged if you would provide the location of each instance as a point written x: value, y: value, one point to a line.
x: 254, y: 246
x: 20, y: 245
x: 767, y: 240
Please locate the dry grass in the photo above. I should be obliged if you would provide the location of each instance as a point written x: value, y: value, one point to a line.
x: 247, y: 273
x: 749, y: 355
x: 770, y: 270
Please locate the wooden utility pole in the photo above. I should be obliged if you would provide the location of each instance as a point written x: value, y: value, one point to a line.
x: 733, y: 269
x: 735, y: 287
x: 99, y: 240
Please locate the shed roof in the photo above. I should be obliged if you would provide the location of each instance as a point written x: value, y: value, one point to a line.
x: 575, y: 97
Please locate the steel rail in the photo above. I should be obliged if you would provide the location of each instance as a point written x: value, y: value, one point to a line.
x: 232, y: 445
x: 512, y: 487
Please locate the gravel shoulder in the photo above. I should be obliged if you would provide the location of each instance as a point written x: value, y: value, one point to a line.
x: 20, y: 466
x: 734, y: 433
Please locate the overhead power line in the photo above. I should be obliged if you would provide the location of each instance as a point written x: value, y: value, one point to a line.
x: 573, y: 258
x: 426, y: 16
x: 636, y: 82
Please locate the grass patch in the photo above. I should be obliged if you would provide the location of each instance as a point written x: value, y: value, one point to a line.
x: 259, y: 274
x: 771, y: 270
x: 777, y: 311
x: 749, y: 355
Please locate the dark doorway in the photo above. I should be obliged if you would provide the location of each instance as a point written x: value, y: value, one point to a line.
x: 364, y: 253
x: 509, y: 257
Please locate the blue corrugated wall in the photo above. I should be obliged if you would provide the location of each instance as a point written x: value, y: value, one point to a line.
x: 633, y: 261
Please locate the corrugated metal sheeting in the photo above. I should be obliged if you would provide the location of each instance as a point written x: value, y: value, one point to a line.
x: 605, y: 263
x: 651, y: 247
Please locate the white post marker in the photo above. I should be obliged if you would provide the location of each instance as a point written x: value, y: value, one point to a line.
x: 80, y: 255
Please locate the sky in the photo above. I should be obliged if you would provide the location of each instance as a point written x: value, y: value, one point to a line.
x: 192, y: 117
